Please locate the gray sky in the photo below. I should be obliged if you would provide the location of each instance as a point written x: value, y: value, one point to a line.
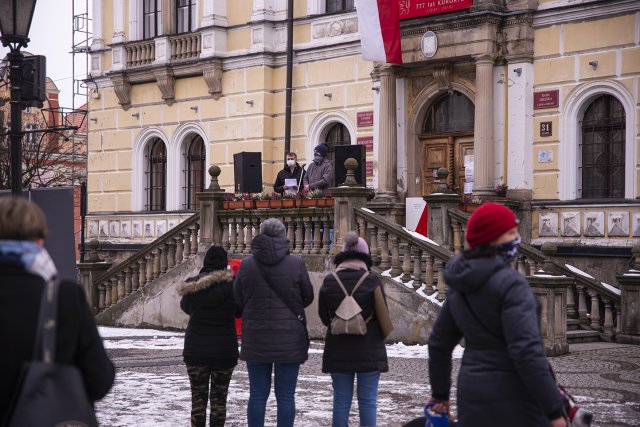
x: 50, y: 34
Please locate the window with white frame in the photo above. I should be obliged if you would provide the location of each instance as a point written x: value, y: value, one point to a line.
x: 193, y: 170
x: 185, y: 16
x: 338, y: 6
x: 156, y: 175
x: 152, y: 15
x: 602, y: 149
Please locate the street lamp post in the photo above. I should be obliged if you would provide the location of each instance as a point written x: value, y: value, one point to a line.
x: 15, y: 21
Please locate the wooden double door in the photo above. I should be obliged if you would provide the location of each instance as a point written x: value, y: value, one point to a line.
x: 448, y: 151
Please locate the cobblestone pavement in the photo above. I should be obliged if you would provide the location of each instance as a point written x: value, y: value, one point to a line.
x: 152, y: 388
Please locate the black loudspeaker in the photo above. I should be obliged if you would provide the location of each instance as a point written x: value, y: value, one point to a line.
x: 247, y: 171
x: 343, y: 152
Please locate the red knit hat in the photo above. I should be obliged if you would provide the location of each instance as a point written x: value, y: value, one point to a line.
x: 489, y: 222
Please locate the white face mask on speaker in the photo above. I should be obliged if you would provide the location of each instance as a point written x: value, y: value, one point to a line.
x: 291, y: 163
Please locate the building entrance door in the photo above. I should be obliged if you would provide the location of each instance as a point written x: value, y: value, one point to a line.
x: 445, y: 151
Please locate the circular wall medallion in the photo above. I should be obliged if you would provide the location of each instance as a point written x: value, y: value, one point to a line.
x: 429, y: 44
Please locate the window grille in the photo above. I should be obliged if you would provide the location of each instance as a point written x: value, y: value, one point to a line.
x: 156, y: 175
x: 452, y: 112
x: 339, y: 5
x: 193, y: 171
x: 152, y: 11
x: 185, y: 16
x: 602, y: 149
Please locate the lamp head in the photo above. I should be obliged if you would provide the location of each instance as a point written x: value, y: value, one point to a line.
x: 15, y: 22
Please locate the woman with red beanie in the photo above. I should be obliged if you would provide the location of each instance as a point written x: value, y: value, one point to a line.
x: 505, y: 377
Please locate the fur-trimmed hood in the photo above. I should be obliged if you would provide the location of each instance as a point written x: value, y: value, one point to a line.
x: 349, y: 255
x: 203, y: 281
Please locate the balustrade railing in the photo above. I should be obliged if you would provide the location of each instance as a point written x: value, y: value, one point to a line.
x: 309, y: 230
x: 149, y: 263
x: 413, y: 258
x: 185, y: 46
x: 598, y: 304
x: 140, y: 53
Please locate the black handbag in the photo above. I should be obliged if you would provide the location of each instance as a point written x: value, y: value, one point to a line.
x: 49, y: 393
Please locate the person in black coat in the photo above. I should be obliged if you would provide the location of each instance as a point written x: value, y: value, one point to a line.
x: 210, y: 341
x: 505, y: 377
x: 292, y: 170
x: 25, y: 267
x: 274, y: 338
x: 347, y: 357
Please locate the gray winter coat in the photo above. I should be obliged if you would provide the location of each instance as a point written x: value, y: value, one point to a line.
x: 504, y: 378
x: 271, y: 332
x: 319, y: 175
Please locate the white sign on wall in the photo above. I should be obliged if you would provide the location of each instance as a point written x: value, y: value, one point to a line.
x: 414, y: 208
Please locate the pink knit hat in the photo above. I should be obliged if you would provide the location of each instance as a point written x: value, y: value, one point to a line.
x: 354, y: 243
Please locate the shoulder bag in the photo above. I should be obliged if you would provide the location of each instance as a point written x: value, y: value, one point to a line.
x: 50, y: 394
x: 299, y: 314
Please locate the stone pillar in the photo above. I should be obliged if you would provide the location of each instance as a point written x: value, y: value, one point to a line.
x: 210, y: 206
x: 551, y: 292
x: 89, y: 270
x: 629, y: 318
x: 484, y: 163
x: 438, y: 204
x: 388, y: 144
x: 347, y: 197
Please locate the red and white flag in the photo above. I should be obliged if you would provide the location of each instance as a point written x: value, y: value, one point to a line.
x: 379, y: 25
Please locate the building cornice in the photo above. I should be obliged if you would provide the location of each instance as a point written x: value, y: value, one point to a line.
x: 598, y: 9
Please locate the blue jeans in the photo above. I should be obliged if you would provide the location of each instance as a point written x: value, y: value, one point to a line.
x: 343, y: 394
x: 286, y: 376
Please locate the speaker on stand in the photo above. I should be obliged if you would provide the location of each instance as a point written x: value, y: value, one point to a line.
x: 247, y: 172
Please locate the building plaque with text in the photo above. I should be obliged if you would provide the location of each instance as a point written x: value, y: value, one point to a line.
x: 414, y: 8
x: 367, y: 141
x: 365, y: 118
x: 546, y: 129
x: 545, y: 99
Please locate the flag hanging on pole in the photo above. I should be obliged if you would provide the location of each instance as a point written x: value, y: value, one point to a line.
x: 379, y: 25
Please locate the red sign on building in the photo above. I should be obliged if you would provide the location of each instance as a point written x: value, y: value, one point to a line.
x: 367, y: 141
x: 370, y: 168
x: 414, y: 8
x: 545, y: 99
x: 365, y: 118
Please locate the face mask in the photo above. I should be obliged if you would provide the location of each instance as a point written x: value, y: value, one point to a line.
x: 317, y: 158
x: 291, y: 163
x: 509, y: 250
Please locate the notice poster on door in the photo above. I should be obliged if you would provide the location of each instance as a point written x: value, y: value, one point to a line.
x: 414, y: 208
x: 468, y: 173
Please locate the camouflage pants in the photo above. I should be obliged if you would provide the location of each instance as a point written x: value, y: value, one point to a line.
x: 199, y: 379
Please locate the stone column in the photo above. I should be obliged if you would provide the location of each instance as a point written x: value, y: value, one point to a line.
x: 89, y: 271
x: 483, y: 148
x: 347, y: 197
x: 629, y: 318
x: 551, y: 292
x: 210, y: 205
x: 388, y: 145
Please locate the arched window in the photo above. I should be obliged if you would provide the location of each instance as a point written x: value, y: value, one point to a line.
x: 193, y: 171
x: 602, y: 149
x: 339, y: 5
x: 337, y: 134
x: 156, y: 175
x: 453, y: 112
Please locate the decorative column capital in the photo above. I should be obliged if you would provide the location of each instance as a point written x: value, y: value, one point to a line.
x: 485, y: 58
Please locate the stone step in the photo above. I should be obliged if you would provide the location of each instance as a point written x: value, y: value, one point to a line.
x: 573, y: 324
x: 574, y: 337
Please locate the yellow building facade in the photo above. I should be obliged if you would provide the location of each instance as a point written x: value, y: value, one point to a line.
x: 540, y: 95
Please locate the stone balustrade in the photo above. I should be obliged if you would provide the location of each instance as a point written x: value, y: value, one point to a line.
x: 184, y: 46
x: 152, y: 261
x: 140, y: 53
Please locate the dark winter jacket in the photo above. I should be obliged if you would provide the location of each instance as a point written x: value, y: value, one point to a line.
x: 210, y: 338
x: 352, y: 353
x: 77, y: 340
x: 287, y: 174
x: 504, y: 376
x: 271, y: 332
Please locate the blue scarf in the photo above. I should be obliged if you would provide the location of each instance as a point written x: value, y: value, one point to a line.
x: 28, y: 255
